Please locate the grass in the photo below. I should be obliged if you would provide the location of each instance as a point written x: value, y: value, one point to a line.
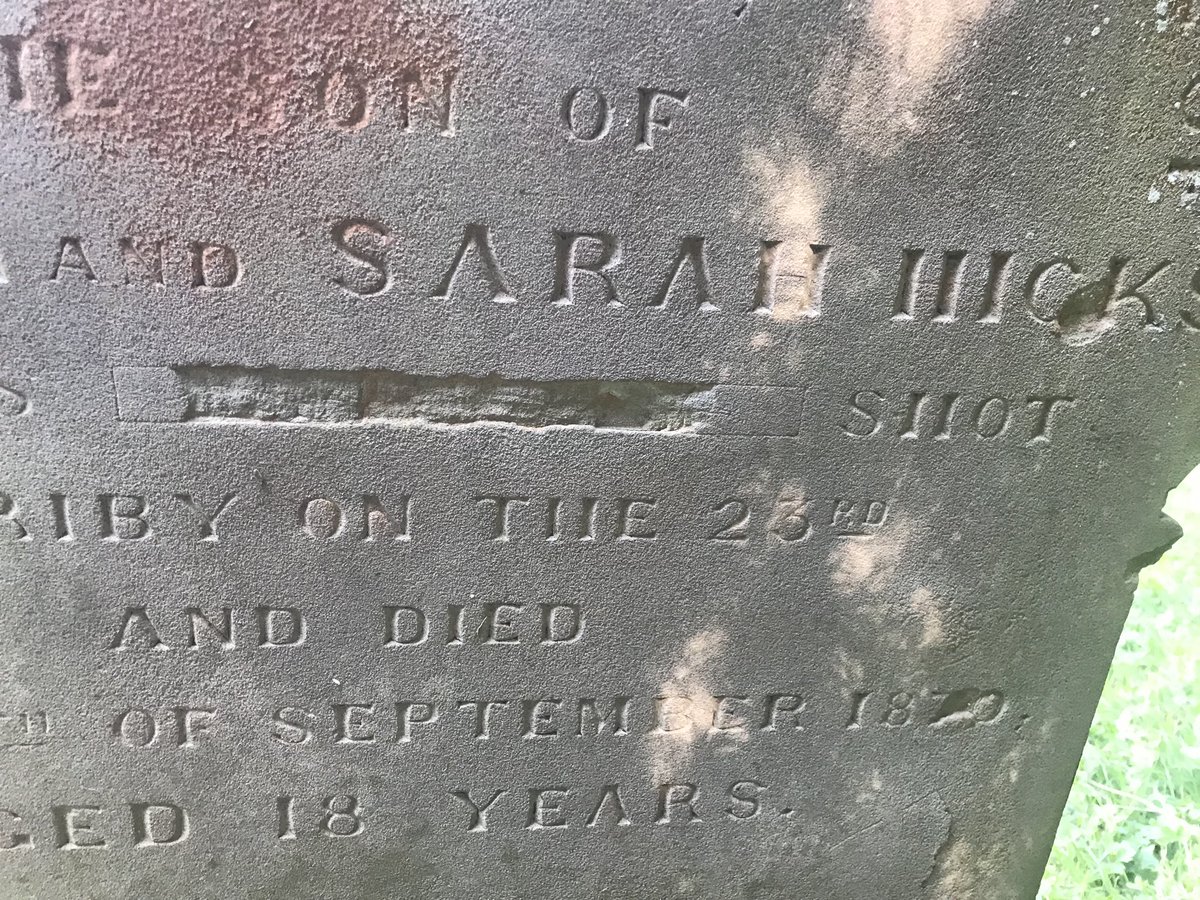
x: 1132, y: 826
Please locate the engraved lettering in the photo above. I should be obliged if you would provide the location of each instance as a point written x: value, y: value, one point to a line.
x: 321, y: 518
x: 910, y: 423
x: 136, y: 631
x: 867, y: 405
x: 280, y: 627
x: 12, y: 838
x: 136, y: 728
x: 568, y: 267
x: 404, y: 626
x: 60, y: 510
x: 207, y: 522
x: 143, y: 260
x: 1190, y: 318
x: 745, y: 800
x: 409, y: 714
x: 78, y: 69
x: 538, y: 718
x: 779, y: 705
x: 14, y: 50
x: 71, y: 263
x: 222, y: 631
x: 351, y: 726
x: 651, y: 117
x: 477, y: 820
x: 285, y: 818
x: 377, y: 521
x: 159, y: 824
x: 1044, y: 409
x: 804, y: 294
x: 632, y: 514
x: 345, y: 99
x: 725, y: 716
x: 691, y: 256
x: 123, y: 518
x: 290, y: 725
x: 74, y: 827
x: 1060, y: 270
x: 501, y: 527
x: 949, y: 287
x: 924, y: 415
x: 676, y: 804
x: 365, y: 244
x: 991, y: 417
x: 595, y: 107
x: 191, y: 722
x: 736, y: 516
x: 610, y: 795
x: 591, y: 721
x: 483, y: 715
x: 8, y: 515
x: 477, y: 238
x: 499, y: 622
x: 545, y: 808
x: 214, y: 266
x: 343, y: 817
x: 561, y: 623
x: 859, y: 518
x: 414, y: 83
x: 12, y: 402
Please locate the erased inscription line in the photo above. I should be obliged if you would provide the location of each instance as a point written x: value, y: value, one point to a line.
x: 324, y: 397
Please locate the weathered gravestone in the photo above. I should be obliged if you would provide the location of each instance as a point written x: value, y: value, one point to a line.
x: 621, y: 449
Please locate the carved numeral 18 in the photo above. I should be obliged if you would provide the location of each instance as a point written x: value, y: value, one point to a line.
x: 341, y: 816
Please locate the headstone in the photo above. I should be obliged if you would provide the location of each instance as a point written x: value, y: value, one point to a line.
x: 581, y: 450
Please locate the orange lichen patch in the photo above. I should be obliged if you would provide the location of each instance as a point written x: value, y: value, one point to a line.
x: 236, y: 81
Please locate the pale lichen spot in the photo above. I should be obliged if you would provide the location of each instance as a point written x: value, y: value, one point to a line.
x: 928, y: 609
x: 851, y: 672
x: 962, y: 868
x: 795, y: 194
x: 881, y: 91
x: 868, y: 564
x: 870, y: 791
x: 761, y: 340
x: 691, y: 682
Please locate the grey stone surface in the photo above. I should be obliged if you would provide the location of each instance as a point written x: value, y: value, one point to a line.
x: 578, y: 450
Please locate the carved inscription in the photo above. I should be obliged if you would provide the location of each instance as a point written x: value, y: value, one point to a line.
x: 610, y: 806
x: 71, y: 78
x: 1079, y: 299
x: 12, y: 402
x: 920, y: 415
x: 428, y: 722
x: 408, y: 723
x: 24, y: 729
x: 145, y: 261
x: 114, y: 518
x: 494, y: 519
x: 617, y: 517
x: 587, y: 114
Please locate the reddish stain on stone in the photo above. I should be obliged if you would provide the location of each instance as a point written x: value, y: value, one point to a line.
x: 236, y: 81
